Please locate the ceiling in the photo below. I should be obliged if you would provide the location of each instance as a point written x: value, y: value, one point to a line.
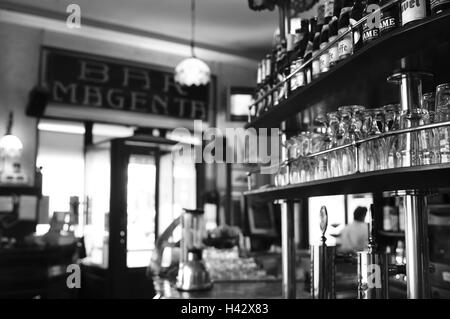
x: 224, y: 25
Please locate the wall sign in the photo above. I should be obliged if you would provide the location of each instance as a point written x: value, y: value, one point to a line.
x: 82, y: 80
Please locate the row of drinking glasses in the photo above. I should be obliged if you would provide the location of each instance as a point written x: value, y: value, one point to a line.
x: 352, y: 123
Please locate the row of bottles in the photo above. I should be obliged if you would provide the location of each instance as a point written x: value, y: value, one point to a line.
x: 397, y: 253
x: 394, y: 214
x: 333, y: 19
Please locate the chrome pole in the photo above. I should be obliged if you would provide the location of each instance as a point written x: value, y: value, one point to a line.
x: 417, y: 267
x: 415, y: 223
x: 288, y: 250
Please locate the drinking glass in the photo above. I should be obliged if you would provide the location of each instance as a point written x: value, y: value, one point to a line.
x: 392, y: 122
x: 333, y: 132
x: 429, y: 138
x: 319, y: 163
x: 443, y: 114
x: 357, y: 122
x: 294, y: 170
x: 429, y: 101
x: 411, y: 143
x: 282, y: 176
x: 347, y: 155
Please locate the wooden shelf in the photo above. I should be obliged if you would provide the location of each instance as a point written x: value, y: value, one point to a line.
x: 346, y: 83
x: 417, y: 177
x: 396, y: 234
x: 8, y: 190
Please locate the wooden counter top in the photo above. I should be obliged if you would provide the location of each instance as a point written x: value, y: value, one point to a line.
x: 229, y: 290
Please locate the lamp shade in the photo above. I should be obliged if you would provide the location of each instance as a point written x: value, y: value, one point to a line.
x: 10, y: 145
x: 192, y: 71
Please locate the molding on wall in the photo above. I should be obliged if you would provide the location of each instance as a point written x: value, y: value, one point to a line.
x: 93, y: 29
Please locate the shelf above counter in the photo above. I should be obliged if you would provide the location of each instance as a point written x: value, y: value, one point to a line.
x: 405, y: 178
x: 394, y: 234
x: 9, y: 190
x: 349, y: 81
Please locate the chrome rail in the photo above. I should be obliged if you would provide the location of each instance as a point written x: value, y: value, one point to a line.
x: 356, y: 143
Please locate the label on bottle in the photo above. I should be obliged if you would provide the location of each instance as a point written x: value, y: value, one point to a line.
x: 369, y: 34
x: 388, y: 22
x: 435, y: 3
x: 413, y: 10
x: 345, y: 44
x: 315, y: 66
x: 324, y: 60
x: 300, y: 76
x: 333, y: 51
x: 301, y: 79
x: 329, y: 8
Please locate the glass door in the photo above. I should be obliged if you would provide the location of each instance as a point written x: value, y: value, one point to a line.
x: 141, y: 209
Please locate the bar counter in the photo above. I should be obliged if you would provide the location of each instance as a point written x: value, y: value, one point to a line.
x: 268, y: 289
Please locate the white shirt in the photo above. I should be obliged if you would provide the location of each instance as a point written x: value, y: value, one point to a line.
x: 354, y: 237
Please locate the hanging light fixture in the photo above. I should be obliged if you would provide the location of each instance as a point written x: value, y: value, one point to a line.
x: 10, y: 145
x: 192, y: 71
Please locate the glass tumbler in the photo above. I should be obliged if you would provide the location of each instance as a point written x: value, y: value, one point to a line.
x: 392, y: 113
x: 346, y: 156
x: 443, y: 115
x: 411, y: 143
x: 294, y: 173
x: 333, y: 135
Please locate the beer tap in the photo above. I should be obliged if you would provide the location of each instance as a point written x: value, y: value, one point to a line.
x: 323, y: 264
x: 374, y: 269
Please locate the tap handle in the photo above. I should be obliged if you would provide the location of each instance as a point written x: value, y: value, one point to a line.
x: 323, y: 221
x: 372, y: 226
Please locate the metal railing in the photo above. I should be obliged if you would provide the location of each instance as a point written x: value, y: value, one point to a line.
x: 355, y: 144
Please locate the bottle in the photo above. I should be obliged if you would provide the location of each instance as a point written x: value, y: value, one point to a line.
x: 346, y: 43
x: 304, y: 31
x: 309, y: 48
x: 268, y: 81
x: 356, y: 15
x: 370, y: 32
x: 290, y: 39
x: 280, y: 73
x: 294, y: 58
x: 394, y: 218
x: 389, y: 19
x: 438, y: 6
x: 316, y: 42
x: 258, y: 83
x: 324, y: 60
x: 401, y: 214
x: 400, y: 253
x: 387, y: 218
x: 333, y: 33
x: 412, y: 10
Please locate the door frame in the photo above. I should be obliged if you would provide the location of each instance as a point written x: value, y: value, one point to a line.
x: 120, y: 155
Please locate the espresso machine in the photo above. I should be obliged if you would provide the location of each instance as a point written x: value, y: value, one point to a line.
x: 192, y: 274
